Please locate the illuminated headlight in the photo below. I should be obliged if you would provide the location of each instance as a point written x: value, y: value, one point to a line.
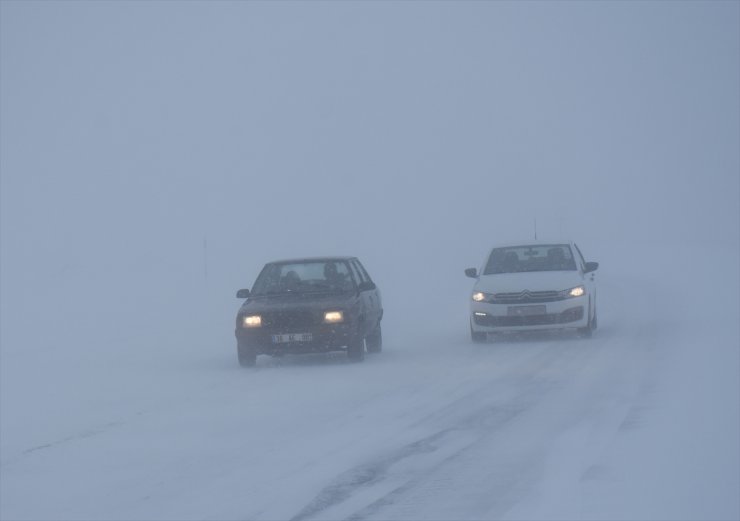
x: 252, y: 321
x: 333, y: 317
x: 577, y: 291
x: 479, y: 296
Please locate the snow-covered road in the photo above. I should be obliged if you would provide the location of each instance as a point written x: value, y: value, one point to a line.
x: 435, y: 427
x: 155, y: 155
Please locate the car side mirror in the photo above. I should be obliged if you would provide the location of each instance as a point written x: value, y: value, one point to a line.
x: 472, y: 273
x: 366, y: 286
x: 591, y: 266
x: 242, y: 293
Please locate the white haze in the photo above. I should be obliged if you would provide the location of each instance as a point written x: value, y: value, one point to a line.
x: 154, y: 155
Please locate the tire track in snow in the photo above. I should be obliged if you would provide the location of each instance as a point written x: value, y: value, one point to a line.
x: 89, y: 433
x: 448, y: 444
x: 83, y: 435
x: 464, y: 435
x: 365, y: 476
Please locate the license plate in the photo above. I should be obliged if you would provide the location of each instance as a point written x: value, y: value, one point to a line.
x: 292, y: 337
x: 525, y: 311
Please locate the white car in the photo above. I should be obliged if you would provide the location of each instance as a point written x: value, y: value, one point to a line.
x: 533, y: 286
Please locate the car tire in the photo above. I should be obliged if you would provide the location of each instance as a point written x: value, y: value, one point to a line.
x: 247, y: 355
x: 477, y: 337
x: 374, y: 341
x: 356, y: 348
x: 587, y: 332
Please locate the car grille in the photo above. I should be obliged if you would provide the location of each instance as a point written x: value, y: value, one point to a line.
x: 527, y: 297
x: 569, y: 315
x: 288, y: 320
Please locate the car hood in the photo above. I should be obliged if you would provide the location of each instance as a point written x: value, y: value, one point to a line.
x: 530, y: 281
x: 299, y: 301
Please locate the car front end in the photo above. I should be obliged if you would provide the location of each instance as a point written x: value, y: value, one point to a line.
x: 276, y: 328
x: 511, y: 302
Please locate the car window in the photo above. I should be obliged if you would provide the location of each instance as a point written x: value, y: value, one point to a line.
x: 309, y: 276
x: 539, y: 257
x: 360, y: 268
x: 580, y: 256
x: 356, y: 272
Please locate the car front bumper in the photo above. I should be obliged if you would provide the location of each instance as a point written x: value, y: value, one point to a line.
x: 324, y: 338
x: 486, y: 317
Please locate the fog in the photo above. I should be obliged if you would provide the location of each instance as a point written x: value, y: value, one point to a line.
x: 153, y: 156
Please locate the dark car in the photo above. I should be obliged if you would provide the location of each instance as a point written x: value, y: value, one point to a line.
x: 312, y: 305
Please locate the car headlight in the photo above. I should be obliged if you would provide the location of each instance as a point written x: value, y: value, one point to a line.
x: 252, y: 321
x: 479, y: 296
x: 333, y: 317
x: 577, y: 291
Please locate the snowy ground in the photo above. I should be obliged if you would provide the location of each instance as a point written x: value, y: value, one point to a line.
x: 154, y: 155
x: 639, y: 422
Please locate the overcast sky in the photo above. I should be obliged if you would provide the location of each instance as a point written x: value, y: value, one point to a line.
x: 411, y: 134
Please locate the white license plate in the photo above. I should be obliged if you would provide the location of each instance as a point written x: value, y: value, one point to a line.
x: 292, y: 337
x: 526, y: 311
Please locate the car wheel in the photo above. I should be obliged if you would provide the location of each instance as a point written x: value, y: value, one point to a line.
x: 374, y: 341
x: 476, y: 337
x: 356, y: 348
x: 247, y: 355
x: 587, y: 331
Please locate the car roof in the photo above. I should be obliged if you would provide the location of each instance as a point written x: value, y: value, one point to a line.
x: 301, y: 260
x: 539, y: 242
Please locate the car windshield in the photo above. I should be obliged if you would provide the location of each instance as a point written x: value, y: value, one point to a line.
x: 545, y: 257
x: 303, y: 277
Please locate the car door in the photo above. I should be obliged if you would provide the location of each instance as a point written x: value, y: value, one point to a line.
x: 376, y: 301
x: 369, y: 297
x: 589, y: 279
